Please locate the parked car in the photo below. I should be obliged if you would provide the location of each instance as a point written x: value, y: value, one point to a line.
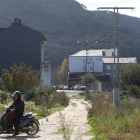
x: 72, y: 88
x: 65, y: 88
x: 60, y: 87
x: 75, y: 87
x: 78, y: 86
x: 82, y: 87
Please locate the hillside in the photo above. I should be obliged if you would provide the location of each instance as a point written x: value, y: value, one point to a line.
x: 65, y: 22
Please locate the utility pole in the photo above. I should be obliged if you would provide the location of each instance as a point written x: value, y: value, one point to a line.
x: 86, y: 80
x: 116, y: 81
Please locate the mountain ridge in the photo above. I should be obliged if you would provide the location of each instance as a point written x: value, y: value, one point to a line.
x: 65, y: 22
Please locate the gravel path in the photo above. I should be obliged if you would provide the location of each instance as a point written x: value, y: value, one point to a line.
x: 75, y: 115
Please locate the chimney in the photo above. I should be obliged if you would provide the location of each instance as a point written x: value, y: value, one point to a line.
x: 19, y: 21
x: 15, y: 20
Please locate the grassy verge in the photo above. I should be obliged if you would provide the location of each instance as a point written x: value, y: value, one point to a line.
x: 60, y: 101
x: 110, y: 123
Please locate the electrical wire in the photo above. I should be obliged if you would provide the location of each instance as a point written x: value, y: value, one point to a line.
x: 103, y: 28
x: 91, y: 24
x: 113, y: 31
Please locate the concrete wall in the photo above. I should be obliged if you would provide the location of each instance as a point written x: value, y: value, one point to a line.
x: 95, y: 86
x: 77, y: 64
x: 46, y: 74
x: 101, y: 86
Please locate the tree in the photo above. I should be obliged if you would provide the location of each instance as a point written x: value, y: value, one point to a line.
x: 63, y: 73
x: 130, y: 77
x: 56, y: 77
x: 88, y: 77
x: 130, y: 74
x: 21, y: 78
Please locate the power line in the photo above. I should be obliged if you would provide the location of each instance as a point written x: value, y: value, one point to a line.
x: 103, y: 28
x: 113, y: 31
x: 92, y: 23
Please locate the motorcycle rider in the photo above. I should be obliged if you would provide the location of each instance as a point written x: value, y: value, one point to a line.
x: 18, y: 108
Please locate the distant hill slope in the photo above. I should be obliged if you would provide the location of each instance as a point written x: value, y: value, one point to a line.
x: 64, y: 22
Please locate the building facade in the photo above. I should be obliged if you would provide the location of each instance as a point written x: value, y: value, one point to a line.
x: 108, y: 65
x: 99, y: 62
x: 19, y: 43
x: 90, y: 61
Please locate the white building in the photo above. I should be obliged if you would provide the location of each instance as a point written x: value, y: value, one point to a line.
x: 99, y: 62
x: 93, y: 59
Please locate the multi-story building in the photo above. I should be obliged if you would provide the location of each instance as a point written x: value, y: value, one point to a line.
x: 108, y: 65
x: 92, y: 59
x: 99, y: 62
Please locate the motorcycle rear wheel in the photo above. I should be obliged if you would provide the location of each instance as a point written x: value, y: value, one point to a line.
x: 1, y: 129
x: 35, y: 126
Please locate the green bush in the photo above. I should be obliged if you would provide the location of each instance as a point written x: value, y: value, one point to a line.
x: 29, y: 95
x: 124, y: 95
x: 134, y: 91
x: 3, y: 97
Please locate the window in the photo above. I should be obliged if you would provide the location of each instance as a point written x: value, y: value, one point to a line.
x: 96, y: 67
x: 114, y: 68
x: 98, y: 59
x: 108, y: 67
x: 90, y: 60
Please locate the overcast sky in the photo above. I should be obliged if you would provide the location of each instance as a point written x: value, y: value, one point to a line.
x: 93, y: 4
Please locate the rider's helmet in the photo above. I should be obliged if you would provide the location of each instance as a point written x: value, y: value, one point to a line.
x: 18, y: 94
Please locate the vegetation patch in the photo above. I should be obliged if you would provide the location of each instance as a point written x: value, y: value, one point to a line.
x: 110, y: 123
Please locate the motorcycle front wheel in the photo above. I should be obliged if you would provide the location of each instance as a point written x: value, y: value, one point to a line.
x: 35, y: 127
x: 1, y: 129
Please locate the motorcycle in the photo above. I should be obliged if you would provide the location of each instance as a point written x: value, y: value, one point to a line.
x: 28, y: 123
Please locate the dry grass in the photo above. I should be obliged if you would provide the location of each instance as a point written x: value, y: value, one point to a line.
x: 112, y: 123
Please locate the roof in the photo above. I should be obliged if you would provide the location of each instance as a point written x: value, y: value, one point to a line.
x: 109, y: 52
x: 89, y: 53
x: 94, y: 52
x: 103, y: 78
x: 21, y: 32
x: 121, y: 60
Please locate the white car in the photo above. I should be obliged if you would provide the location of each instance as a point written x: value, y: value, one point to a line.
x: 82, y: 88
x: 65, y: 88
x: 77, y: 87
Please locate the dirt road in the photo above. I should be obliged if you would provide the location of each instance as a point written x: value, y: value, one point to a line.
x: 75, y: 116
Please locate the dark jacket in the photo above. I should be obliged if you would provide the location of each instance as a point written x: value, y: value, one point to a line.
x: 18, y: 105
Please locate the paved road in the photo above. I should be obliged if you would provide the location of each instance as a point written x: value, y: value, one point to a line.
x: 75, y: 115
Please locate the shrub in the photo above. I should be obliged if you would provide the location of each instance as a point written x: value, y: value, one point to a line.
x: 114, y: 123
x: 3, y: 97
x: 61, y: 98
x: 134, y: 91
x: 29, y: 95
x: 124, y: 95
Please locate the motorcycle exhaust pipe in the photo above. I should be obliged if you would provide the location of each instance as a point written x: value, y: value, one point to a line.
x: 27, y: 129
